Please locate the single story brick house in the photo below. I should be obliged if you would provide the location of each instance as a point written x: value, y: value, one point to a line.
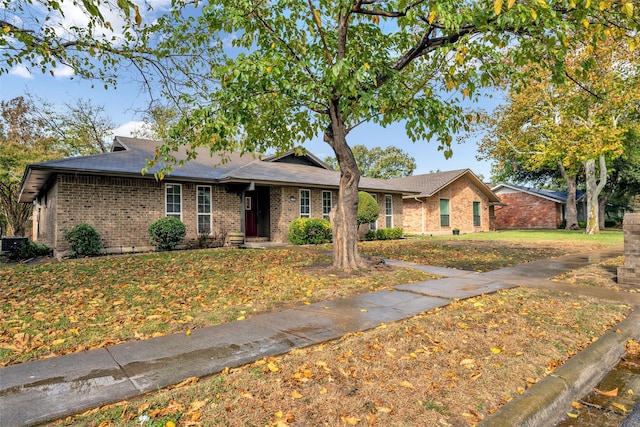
x: 444, y: 201
x: 532, y: 208
x: 211, y: 194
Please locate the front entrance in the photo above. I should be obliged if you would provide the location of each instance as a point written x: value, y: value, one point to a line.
x: 256, y: 212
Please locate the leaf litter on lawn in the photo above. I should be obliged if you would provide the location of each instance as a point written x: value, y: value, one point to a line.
x: 63, y: 307
x: 453, y: 366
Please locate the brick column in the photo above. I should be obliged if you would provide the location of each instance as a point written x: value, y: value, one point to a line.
x: 629, y: 274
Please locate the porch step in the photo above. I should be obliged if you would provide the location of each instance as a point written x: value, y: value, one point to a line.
x: 256, y: 239
x: 262, y: 244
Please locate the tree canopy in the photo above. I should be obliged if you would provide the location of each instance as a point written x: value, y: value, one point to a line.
x: 571, y: 126
x: 377, y: 162
x: 283, y: 72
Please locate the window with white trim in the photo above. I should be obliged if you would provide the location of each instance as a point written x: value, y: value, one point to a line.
x: 173, y: 200
x: 204, y: 209
x: 327, y: 204
x: 388, y: 209
x: 305, y: 203
x: 373, y: 226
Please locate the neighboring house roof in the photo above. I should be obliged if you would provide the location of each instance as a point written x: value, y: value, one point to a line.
x: 429, y: 184
x: 130, y: 155
x: 555, y: 196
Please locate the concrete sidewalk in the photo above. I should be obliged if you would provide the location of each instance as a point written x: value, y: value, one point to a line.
x: 43, y: 390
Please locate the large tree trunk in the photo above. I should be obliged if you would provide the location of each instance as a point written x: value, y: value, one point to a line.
x: 571, y: 209
x: 344, y: 215
x: 606, y: 194
x: 594, y: 187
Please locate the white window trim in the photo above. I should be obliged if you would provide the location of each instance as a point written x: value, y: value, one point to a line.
x: 386, y: 214
x: 306, y: 215
x: 198, y: 187
x: 166, y: 188
x: 326, y: 215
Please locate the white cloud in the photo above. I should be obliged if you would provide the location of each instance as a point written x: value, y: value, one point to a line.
x: 129, y: 128
x: 21, y: 71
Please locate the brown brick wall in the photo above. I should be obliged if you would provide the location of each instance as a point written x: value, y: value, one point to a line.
x: 629, y: 274
x: 44, y: 218
x: 121, y: 209
x: 461, y: 194
x: 524, y: 210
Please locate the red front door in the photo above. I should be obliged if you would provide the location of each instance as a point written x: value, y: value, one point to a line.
x: 250, y: 214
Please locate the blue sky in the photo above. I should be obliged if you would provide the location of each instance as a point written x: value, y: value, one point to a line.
x: 123, y: 106
x: 123, y: 103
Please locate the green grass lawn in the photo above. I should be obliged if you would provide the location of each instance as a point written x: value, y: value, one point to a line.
x: 609, y: 237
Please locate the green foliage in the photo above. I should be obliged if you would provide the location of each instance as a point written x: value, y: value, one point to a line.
x: 368, y: 209
x: 370, y: 235
x: 30, y: 36
x: 384, y: 163
x: 389, y: 233
x: 384, y: 234
x: 309, y: 231
x: 31, y: 250
x: 83, y: 240
x: 167, y: 233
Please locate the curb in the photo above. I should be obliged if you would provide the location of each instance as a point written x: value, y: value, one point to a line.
x: 546, y: 402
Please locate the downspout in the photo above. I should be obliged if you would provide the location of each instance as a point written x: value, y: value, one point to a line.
x: 421, y: 212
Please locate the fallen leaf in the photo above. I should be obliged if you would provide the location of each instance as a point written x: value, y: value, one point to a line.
x: 610, y: 393
x: 619, y: 406
x: 406, y: 384
x: 272, y: 367
x: 576, y: 405
x: 188, y: 381
x: 350, y: 420
x: 296, y: 395
x: 572, y: 415
x: 495, y: 350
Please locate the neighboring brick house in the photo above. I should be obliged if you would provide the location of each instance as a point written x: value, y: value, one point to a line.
x: 531, y: 208
x: 445, y: 201
x: 212, y: 197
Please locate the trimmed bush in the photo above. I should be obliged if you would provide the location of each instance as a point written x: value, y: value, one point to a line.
x: 83, y: 240
x: 309, y: 231
x: 31, y: 250
x: 370, y: 235
x: 167, y: 233
x: 389, y: 233
x: 368, y: 209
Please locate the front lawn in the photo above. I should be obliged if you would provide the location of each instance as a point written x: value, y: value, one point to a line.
x: 62, y: 307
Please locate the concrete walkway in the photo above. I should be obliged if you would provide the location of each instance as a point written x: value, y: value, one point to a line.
x: 43, y: 390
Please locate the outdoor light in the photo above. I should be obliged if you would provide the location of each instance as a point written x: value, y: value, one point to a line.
x: 292, y: 198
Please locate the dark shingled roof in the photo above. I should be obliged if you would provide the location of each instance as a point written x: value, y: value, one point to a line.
x: 556, y: 196
x: 129, y: 156
x: 429, y: 184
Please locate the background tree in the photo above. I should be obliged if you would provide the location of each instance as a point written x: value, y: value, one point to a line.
x: 158, y: 119
x: 22, y: 141
x: 578, y: 126
x: 81, y: 128
x: 299, y: 69
x: 385, y: 163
